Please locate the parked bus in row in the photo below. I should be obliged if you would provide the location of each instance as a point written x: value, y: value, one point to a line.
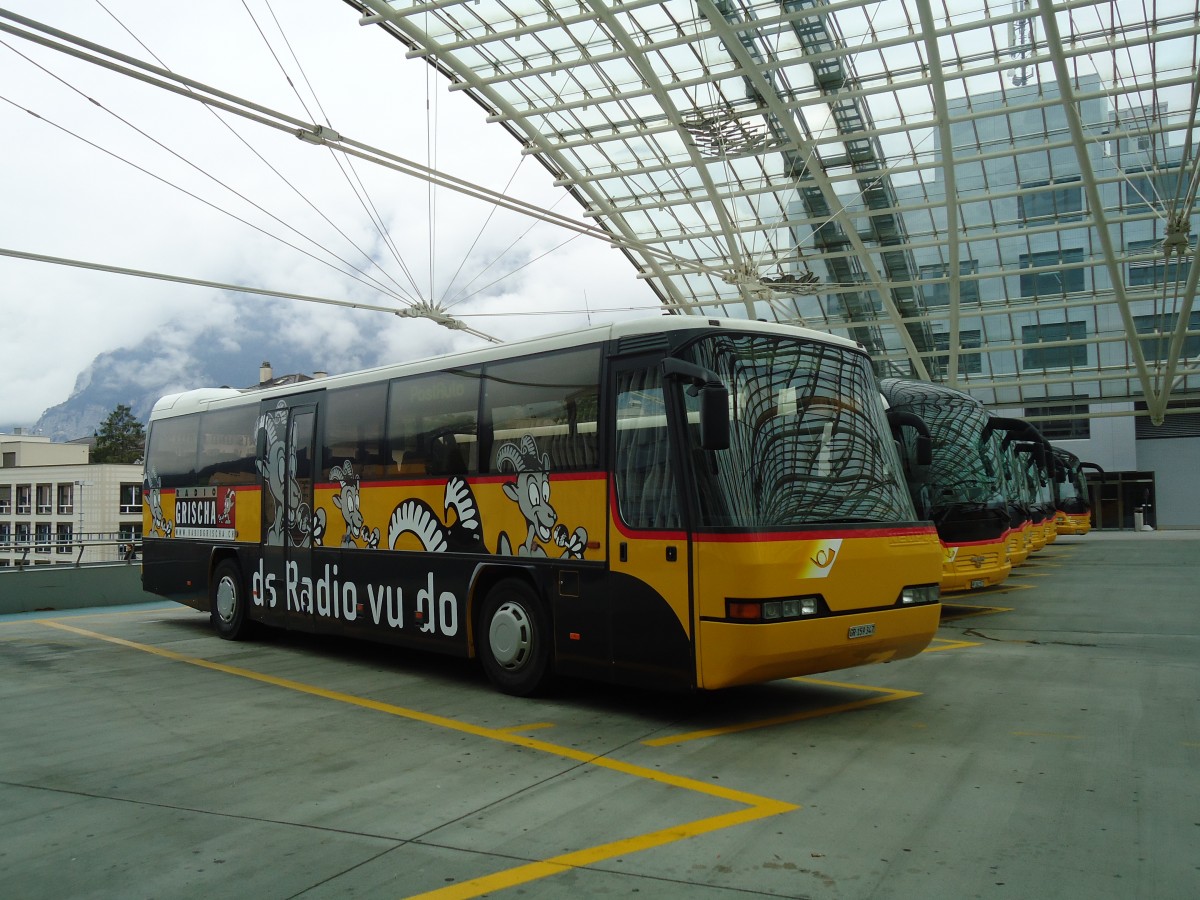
x: 676, y: 503
x: 1035, y: 465
x: 1073, y: 508
x: 1020, y: 492
x: 961, y: 489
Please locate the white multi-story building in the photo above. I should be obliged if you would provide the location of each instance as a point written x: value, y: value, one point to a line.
x: 55, y: 507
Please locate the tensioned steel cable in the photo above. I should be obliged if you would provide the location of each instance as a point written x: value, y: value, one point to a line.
x: 356, y: 184
x: 311, y: 132
x: 373, y: 282
x: 300, y: 194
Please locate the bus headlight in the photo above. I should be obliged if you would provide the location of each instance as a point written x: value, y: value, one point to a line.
x: 778, y: 610
x: 919, y: 593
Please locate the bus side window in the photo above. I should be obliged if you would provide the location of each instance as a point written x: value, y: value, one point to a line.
x: 445, y: 457
x: 354, y: 430
x: 432, y: 423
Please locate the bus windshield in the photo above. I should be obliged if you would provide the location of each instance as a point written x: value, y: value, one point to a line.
x: 809, y: 441
x: 966, y: 469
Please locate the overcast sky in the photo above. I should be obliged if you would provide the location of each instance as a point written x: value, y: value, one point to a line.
x: 125, y: 174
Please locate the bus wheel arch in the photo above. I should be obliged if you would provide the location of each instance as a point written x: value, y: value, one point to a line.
x: 227, y: 599
x: 513, y: 639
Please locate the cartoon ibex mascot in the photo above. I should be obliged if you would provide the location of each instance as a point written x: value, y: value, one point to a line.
x: 531, y: 492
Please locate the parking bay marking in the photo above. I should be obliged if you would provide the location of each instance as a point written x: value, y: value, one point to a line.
x: 756, y: 807
x: 883, y: 695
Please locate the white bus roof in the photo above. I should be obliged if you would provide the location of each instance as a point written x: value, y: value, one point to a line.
x: 204, y: 398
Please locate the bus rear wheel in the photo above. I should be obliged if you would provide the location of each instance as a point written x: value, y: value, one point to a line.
x: 228, y: 602
x: 514, y: 640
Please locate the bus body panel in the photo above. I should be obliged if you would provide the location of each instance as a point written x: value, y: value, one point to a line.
x: 858, y: 577
x: 1019, y: 544
x: 1072, y: 523
x: 736, y: 653
x: 849, y: 570
x: 975, y: 565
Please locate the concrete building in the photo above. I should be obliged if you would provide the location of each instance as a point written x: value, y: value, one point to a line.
x: 57, y: 508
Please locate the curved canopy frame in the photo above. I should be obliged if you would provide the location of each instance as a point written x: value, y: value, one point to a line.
x: 997, y: 195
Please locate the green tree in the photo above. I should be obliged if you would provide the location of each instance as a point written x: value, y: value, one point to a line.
x: 121, y: 439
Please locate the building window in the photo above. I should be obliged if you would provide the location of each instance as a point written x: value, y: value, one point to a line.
x: 43, y: 538
x: 63, y: 537
x: 1062, y: 422
x: 131, y: 499
x: 1157, y: 271
x: 939, y: 294
x: 1058, y: 199
x: 6, y: 499
x: 968, y: 363
x: 1150, y: 188
x: 23, y: 533
x: 66, y: 499
x: 1056, y: 280
x: 1058, y: 357
x: 45, y: 499
x: 1162, y: 326
x: 5, y: 534
x: 24, y: 499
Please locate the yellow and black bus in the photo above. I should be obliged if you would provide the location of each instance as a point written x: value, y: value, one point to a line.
x: 962, y: 488
x: 677, y: 502
x: 1073, y: 508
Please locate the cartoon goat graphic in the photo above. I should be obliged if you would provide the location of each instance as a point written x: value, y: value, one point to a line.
x: 349, y: 502
x: 531, y: 492
x: 277, y: 467
x: 158, y: 522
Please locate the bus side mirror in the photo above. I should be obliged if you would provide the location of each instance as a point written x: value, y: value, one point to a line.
x: 924, y: 450
x: 714, y: 400
x: 714, y: 417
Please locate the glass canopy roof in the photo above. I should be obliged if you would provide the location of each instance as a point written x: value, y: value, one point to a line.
x: 790, y: 161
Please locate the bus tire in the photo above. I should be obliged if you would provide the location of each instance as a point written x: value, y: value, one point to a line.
x: 514, y: 643
x: 228, y: 597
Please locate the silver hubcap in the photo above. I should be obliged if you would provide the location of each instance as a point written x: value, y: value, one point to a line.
x: 510, y: 636
x: 226, y: 599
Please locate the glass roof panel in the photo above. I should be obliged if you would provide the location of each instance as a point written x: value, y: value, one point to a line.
x: 996, y: 195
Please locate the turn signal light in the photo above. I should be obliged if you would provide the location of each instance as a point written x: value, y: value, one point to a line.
x: 772, y: 610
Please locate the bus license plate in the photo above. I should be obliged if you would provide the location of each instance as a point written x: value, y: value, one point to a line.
x: 857, y: 631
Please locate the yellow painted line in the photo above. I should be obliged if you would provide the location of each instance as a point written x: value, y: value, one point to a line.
x: 1049, y: 734
x: 999, y: 589
x: 948, y: 644
x: 887, y: 696
x: 758, y: 807
x: 1191, y: 743
x: 978, y: 610
x: 556, y: 865
x: 67, y: 614
x: 532, y: 726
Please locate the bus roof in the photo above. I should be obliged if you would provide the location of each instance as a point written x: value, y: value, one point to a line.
x: 204, y: 398
x: 901, y: 391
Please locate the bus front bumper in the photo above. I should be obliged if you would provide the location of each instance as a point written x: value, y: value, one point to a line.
x: 732, y: 653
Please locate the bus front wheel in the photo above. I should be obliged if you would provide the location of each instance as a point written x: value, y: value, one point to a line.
x: 229, y: 602
x: 515, y: 640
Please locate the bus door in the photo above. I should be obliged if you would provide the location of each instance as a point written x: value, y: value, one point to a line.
x: 285, y: 453
x: 649, y: 551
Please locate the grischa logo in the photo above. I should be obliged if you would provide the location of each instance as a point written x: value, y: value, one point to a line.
x: 330, y: 597
x: 208, y: 513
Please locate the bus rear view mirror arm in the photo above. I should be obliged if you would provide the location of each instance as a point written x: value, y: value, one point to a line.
x: 714, y: 400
